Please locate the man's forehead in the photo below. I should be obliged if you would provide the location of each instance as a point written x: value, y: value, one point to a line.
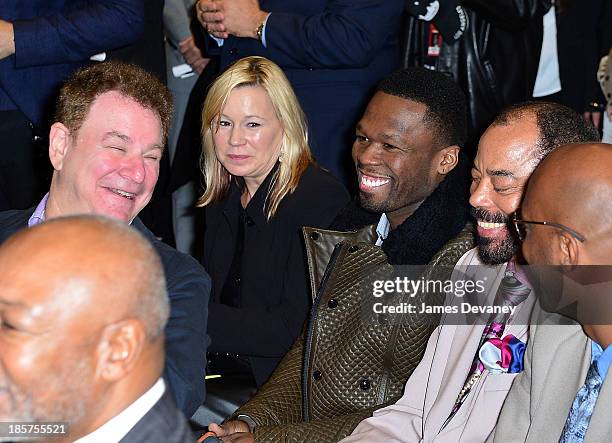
x: 45, y: 294
x: 507, y: 150
x: 23, y: 289
x: 112, y: 107
x: 388, y: 111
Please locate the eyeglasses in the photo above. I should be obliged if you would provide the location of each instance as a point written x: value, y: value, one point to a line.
x: 519, y: 227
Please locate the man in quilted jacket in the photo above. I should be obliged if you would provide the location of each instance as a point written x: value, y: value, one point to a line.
x: 412, y: 202
x: 456, y: 392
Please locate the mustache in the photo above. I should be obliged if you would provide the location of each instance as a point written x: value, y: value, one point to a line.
x: 488, y: 216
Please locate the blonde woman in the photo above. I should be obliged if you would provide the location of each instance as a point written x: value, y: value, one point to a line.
x: 262, y: 187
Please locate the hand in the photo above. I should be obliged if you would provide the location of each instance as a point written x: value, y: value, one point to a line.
x: 237, y: 17
x: 210, y: 17
x: 7, y: 39
x: 417, y: 8
x: 233, y: 431
x: 242, y: 17
x: 593, y: 117
x: 229, y: 428
x: 192, y: 55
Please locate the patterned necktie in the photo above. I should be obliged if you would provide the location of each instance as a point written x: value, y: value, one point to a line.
x: 511, y: 292
x: 579, y: 416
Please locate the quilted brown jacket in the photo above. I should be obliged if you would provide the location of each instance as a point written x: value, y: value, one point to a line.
x: 342, y: 367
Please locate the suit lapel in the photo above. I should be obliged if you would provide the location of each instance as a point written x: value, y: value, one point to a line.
x: 457, y: 361
x: 13, y: 221
x: 561, y: 358
x: 163, y: 422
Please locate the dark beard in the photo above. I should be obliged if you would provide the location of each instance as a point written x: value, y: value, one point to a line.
x: 493, y: 252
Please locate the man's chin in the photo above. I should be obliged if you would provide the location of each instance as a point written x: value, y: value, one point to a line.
x: 123, y: 213
x: 372, y: 203
x: 494, y: 251
x: 117, y: 215
x: 120, y: 208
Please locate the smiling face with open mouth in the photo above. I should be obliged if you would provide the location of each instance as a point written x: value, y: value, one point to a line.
x: 110, y: 165
x: 397, y: 165
x: 503, y: 164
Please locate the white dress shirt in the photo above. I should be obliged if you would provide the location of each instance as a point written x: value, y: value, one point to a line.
x: 117, y: 427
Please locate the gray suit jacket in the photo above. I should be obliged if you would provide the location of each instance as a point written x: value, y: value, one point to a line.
x: 431, y: 390
x: 164, y: 423
x: 556, y: 362
x: 177, y: 19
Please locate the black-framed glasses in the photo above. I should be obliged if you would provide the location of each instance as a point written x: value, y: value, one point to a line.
x: 519, y: 227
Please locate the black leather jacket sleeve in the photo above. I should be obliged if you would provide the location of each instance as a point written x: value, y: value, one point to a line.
x: 509, y: 14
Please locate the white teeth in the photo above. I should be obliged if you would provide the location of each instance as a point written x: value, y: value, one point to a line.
x: 373, y: 182
x: 124, y: 193
x: 491, y: 225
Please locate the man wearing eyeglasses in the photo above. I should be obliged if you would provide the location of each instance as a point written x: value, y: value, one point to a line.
x: 564, y: 393
x: 457, y: 390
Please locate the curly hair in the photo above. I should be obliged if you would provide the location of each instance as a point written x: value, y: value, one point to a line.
x: 81, y: 90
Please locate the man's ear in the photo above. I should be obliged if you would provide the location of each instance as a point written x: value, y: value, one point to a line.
x: 59, y: 142
x: 448, y: 159
x: 119, y: 349
x: 569, y: 249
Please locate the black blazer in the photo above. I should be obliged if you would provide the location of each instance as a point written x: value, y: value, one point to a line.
x: 188, y: 290
x: 164, y: 423
x: 274, y: 281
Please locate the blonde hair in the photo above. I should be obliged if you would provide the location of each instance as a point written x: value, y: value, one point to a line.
x: 296, y: 155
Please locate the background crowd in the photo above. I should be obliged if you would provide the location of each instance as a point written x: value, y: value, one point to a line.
x: 270, y: 154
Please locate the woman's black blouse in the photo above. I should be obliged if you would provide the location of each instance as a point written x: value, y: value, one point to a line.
x: 260, y: 312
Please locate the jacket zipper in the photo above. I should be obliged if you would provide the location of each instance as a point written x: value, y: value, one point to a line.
x: 309, y: 332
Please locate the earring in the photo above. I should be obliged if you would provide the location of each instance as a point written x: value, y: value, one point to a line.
x: 280, y: 156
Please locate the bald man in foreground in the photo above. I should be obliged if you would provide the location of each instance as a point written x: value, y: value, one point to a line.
x: 565, y: 392
x: 83, y: 305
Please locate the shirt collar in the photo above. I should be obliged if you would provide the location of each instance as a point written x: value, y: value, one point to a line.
x: 382, y: 230
x: 39, y: 213
x: 257, y: 206
x: 117, y: 427
x: 38, y: 216
x: 603, y: 358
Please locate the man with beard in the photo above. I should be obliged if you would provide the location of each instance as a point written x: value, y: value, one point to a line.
x: 83, y: 308
x: 457, y: 390
x: 412, y: 206
x: 564, y: 393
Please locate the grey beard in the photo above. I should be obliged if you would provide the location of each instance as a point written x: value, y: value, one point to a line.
x: 492, y: 253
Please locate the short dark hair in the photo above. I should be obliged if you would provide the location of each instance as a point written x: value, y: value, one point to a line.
x: 80, y: 91
x: 558, y: 125
x: 446, y: 112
